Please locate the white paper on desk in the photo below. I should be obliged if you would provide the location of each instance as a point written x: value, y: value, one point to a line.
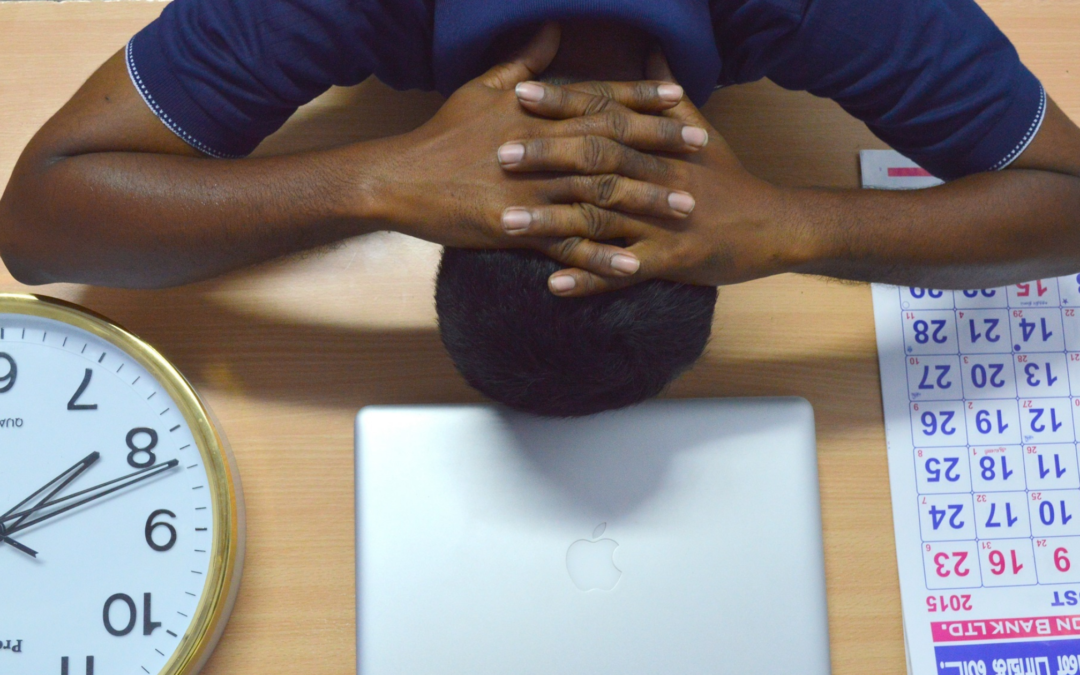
x: 981, y: 391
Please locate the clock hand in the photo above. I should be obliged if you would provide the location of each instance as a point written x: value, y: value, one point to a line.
x: 21, y: 547
x: 136, y: 477
x: 81, y: 465
x: 157, y: 468
x: 75, y: 470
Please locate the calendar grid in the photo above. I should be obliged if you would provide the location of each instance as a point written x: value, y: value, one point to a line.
x: 993, y: 385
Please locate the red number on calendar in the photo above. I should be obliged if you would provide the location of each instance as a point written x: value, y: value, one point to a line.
x: 1025, y: 290
x: 1036, y: 496
x: 1028, y: 404
x: 1040, y: 543
x: 1070, y: 312
x: 982, y: 500
x: 998, y: 565
x: 913, y: 361
x: 920, y: 453
x: 941, y: 560
x: 1031, y: 450
x: 945, y: 603
x: 1018, y: 313
x: 1022, y: 358
x: 1061, y: 559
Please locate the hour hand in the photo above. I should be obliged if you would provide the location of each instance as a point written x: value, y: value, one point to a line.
x: 78, y: 467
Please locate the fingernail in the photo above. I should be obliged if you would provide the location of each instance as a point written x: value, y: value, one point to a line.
x: 682, y: 202
x: 515, y: 219
x: 562, y: 284
x: 695, y: 136
x: 626, y: 264
x: 511, y: 153
x: 529, y: 91
x: 672, y: 93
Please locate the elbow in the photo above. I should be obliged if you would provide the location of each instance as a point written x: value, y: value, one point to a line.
x: 20, y: 255
x: 33, y: 250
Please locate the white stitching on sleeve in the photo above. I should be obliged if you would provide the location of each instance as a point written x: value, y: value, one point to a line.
x: 133, y: 72
x: 1032, y: 130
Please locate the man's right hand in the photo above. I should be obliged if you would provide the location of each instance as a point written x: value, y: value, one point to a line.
x: 451, y: 180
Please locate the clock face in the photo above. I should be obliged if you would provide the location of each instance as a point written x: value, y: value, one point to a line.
x: 108, y: 519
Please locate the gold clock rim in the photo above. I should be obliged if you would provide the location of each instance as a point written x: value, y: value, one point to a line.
x: 226, y: 561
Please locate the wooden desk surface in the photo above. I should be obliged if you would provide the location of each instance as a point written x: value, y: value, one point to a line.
x: 287, y: 353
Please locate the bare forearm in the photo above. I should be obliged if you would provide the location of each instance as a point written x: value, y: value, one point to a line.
x: 146, y: 220
x: 985, y: 230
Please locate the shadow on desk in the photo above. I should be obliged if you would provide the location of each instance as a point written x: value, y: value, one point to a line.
x: 295, y: 362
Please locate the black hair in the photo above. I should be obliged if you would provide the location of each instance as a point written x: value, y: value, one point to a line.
x: 522, y: 346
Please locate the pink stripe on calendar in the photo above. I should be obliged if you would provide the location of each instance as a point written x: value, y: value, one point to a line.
x: 907, y: 172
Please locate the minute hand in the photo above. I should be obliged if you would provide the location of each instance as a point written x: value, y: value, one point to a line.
x: 112, y: 485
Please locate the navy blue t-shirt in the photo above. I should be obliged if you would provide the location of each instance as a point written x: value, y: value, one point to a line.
x: 934, y: 79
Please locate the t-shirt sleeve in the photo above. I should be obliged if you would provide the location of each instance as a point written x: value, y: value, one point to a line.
x: 224, y: 74
x: 935, y: 79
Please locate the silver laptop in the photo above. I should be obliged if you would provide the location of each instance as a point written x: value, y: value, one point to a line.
x: 675, y: 537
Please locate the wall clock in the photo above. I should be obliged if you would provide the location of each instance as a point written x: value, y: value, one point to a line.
x: 121, y: 534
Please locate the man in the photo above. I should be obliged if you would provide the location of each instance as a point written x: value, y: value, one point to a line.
x: 113, y: 189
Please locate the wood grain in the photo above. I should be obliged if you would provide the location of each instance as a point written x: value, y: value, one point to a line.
x: 287, y: 353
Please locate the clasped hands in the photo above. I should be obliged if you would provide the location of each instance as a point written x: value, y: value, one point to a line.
x: 618, y: 181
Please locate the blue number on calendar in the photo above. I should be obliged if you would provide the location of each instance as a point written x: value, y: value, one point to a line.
x: 1058, y: 470
x: 937, y: 516
x: 980, y: 378
x: 922, y: 331
x: 989, y: 467
x: 1027, y: 328
x: 928, y: 292
x: 1010, y: 519
x: 991, y: 326
x: 985, y: 292
x: 1036, y: 415
x: 942, y: 371
x: 985, y: 426
x: 934, y: 473
x: 1032, y: 372
x: 931, y: 426
x: 1046, y: 513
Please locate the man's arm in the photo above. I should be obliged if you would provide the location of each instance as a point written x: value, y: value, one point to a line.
x: 984, y: 230
x: 106, y: 194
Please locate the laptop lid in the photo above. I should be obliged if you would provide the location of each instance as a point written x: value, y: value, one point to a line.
x: 672, y: 537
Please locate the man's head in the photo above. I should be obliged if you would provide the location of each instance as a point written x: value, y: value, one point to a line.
x: 530, y: 350
x: 522, y: 346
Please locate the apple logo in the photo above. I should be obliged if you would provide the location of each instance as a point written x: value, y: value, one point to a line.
x: 591, y: 563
